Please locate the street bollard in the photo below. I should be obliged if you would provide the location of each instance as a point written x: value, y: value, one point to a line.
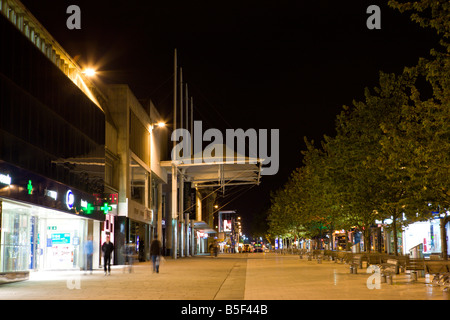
x: 389, y: 279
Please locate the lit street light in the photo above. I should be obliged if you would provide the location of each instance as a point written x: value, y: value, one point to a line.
x: 89, y: 72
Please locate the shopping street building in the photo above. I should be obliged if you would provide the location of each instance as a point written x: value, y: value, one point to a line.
x: 52, y: 150
x: 78, y: 162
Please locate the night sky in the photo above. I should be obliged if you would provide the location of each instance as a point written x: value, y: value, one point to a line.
x: 288, y: 65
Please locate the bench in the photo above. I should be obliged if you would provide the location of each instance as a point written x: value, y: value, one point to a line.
x: 342, y: 256
x: 390, y: 266
x: 373, y: 259
x: 357, y: 260
x: 348, y: 257
x: 415, y: 267
x: 328, y: 254
x: 302, y: 252
x: 440, y: 269
x: 402, y: 262
x: 387, y: 269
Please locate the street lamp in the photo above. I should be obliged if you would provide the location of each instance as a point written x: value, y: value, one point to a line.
x: 159, y: 124
x: 89, y: 72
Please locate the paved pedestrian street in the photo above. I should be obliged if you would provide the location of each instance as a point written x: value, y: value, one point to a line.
x: 256, y: 277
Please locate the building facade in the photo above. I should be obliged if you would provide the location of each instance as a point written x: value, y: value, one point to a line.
x: 140, y: 178
x: 52, y: 150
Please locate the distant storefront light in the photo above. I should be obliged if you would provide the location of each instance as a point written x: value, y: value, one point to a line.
x: 226, y: 225
x: 52, y: 194
x: 5, y: 179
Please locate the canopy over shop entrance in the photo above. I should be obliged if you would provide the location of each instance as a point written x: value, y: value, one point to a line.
x: 219, y: 172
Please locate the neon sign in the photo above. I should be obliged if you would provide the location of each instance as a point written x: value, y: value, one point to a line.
x: 86, y: 206
x: 226, y: 225
x: 106, y: 208
x: 70, y: 199
x: 29, y: 187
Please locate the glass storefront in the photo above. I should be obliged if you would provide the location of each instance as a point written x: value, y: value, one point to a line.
x: 426, y: 233
x: 36, y: 238
x: 15, y: 238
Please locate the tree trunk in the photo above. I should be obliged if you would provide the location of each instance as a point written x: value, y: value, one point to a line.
x: 330, y: 239
x: 366, y: 239
x: 394, y: 231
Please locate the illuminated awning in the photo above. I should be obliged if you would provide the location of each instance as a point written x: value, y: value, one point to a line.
x: 213, y: 172
x: 202, y: 226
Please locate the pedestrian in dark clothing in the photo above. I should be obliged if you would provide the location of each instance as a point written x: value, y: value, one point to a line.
x: 155, y: 252
x: 107, y: 249
x: 216, y: 248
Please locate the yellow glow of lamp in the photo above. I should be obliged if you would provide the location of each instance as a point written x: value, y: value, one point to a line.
x: 89, y: 72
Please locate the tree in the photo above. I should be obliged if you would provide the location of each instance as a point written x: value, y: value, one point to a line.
x: 422, y: 139
x: 390, y: 157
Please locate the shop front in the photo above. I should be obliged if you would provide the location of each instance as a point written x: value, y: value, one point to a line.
x: 44, y: 224
x: 427, y: 235
x: 37, y: 238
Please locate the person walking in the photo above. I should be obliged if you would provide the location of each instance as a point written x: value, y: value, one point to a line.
x: 216, y: 248
x: 155, y: 253
x: 107, y: 249
x: 89, y: 251
x: 129, y: 252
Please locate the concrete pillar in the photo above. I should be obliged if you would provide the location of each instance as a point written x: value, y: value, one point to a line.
x: 174, y: 222
x: 198, y: 207
x: 188, y: 236
x: 192, y: 238
x: 160, y: 200
x: 181, y: 215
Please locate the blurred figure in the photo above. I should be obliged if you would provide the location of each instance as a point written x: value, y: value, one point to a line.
x: 89, y: 251
x: 214, y: 248
x: 107, y: 249
x: 155, y: 253
x: 129, y: 251
x: 141, y: 256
